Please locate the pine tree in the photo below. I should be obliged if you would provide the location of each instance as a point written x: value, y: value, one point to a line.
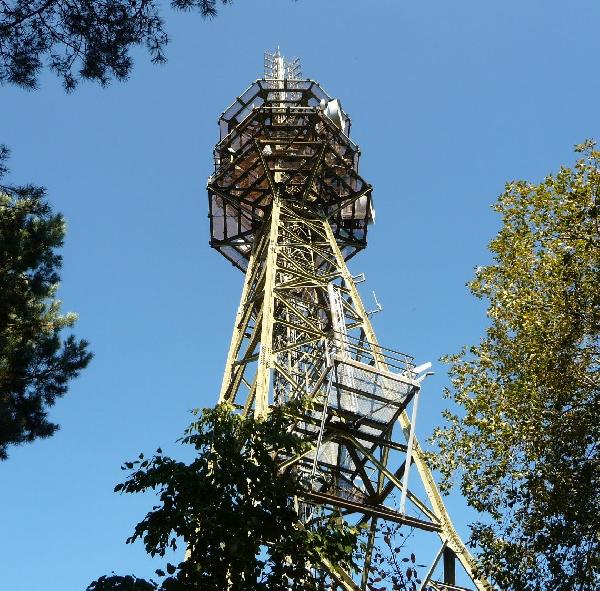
x: 36, y: 364
x: 82, y: 39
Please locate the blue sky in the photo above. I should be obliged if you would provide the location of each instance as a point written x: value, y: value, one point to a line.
x: 449, y: 100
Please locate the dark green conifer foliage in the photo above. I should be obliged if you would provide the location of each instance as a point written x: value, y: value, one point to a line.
x: 82, y: 39
x: 36, y: 364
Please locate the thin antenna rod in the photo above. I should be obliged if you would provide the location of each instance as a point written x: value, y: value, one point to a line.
x: 278, y: 67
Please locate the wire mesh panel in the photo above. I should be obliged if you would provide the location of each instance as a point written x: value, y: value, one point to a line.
x: 365, y: 391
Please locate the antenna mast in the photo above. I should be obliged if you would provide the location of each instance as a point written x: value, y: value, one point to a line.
x: 288, y: 207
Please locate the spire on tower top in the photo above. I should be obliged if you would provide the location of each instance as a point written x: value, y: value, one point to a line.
x: 279, y: 68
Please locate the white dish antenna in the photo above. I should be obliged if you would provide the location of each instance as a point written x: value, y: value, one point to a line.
x: 333, y: 110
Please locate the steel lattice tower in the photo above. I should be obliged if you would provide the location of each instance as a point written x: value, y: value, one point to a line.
x: 288, y: 207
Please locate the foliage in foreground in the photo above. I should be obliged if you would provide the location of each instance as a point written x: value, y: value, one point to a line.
x: 230, y: 507
x: 83, y: 39
x: 35, y: 363
x: 122, y: 583
x: 526, y: 448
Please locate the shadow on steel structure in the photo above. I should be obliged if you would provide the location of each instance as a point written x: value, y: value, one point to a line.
x: 288, y: 207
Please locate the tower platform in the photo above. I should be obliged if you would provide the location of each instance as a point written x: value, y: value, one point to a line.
x: 286, y: 138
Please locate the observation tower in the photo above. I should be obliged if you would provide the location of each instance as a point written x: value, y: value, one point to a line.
x: 288, y: 207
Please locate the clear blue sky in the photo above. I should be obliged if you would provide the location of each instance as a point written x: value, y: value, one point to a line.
x: 448, y: 100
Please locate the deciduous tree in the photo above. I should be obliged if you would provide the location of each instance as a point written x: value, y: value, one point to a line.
x: 526, y: 440
x: 232, y: 507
